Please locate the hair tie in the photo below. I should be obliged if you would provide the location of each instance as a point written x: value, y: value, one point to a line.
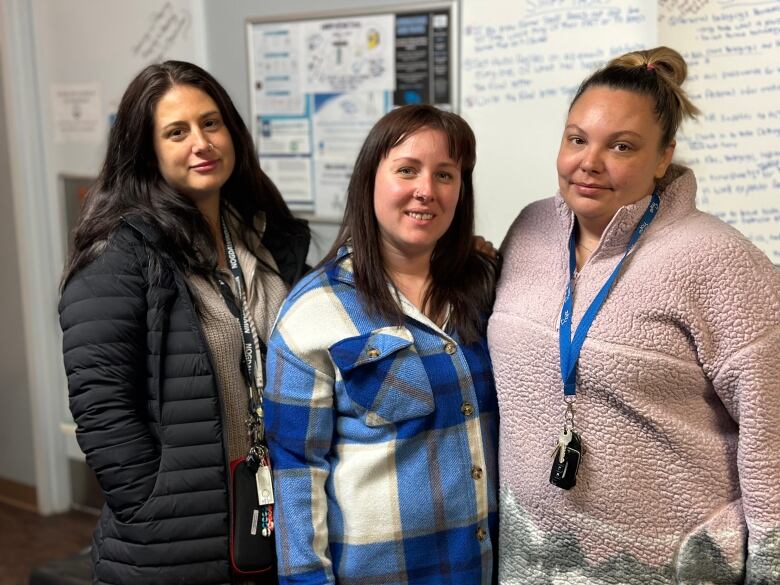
x: 650, y: 67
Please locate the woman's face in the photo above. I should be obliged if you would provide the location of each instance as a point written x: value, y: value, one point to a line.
x: 609, y: 155
x: 416, y: 193
x: 186, y: 121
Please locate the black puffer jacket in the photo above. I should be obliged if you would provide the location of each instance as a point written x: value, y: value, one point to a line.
x: 144, y: 396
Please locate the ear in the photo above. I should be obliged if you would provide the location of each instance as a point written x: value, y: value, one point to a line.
x: 665, y: 159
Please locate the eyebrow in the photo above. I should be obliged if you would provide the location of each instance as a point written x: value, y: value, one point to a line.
x: 611, y: 136
x: 177, y: 122
x: 411, y: 159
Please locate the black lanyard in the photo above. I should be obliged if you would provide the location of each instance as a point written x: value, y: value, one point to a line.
x: 254, y: 349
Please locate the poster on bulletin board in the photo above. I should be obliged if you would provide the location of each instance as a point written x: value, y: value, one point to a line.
x: 318, y: 84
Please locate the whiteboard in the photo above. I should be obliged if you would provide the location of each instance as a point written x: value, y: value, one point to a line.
x: 523, y: 60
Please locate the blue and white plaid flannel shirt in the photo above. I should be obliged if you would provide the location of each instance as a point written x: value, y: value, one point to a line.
x: 383, y: 443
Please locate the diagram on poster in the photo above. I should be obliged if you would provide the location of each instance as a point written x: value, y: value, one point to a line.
x: 349, y: 54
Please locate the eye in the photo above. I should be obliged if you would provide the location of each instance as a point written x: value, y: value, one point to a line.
x: 406, y: 171
x: 212, y: 124
x: 576, y: 140
x: 176, y: 133
x: 445, y: 176
x: 623, y: 147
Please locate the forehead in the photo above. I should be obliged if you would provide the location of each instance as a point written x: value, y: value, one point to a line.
x: 182, y: 102
x: 613, y: 110
x: 425, y: 141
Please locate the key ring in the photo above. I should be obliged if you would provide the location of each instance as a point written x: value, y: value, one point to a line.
x: 568, y: 416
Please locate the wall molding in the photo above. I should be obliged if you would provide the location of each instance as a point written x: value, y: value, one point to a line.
x: 36, y: 219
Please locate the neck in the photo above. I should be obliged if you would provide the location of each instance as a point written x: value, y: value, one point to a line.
x: 588, y: 234
x: 587, y: 237
x: 410, y: 274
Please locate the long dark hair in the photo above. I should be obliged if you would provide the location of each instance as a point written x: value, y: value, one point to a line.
x: 461, y: 278
x: 130, y: 180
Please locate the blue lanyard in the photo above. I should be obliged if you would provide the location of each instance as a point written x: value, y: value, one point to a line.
x: 570, y: 348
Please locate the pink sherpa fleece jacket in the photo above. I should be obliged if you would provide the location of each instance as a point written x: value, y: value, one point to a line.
x: 678, y: 402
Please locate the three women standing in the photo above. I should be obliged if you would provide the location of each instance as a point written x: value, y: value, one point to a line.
x: 673, y: 390
x: 380, y: 404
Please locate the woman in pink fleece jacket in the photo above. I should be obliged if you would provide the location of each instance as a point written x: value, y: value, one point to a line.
x: 675, y: 394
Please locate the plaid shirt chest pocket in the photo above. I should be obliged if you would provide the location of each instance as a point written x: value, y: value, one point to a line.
x: 384, y: 376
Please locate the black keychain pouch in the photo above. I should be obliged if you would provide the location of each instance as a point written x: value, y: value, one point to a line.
x: 251, y: 553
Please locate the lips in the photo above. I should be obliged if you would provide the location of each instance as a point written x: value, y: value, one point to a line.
x: 589, y: 188
x: 205, y: 166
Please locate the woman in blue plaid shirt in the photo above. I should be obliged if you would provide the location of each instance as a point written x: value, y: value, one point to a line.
x: 380, y: 404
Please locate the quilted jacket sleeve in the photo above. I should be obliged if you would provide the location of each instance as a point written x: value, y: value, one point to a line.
x: 103, y: 320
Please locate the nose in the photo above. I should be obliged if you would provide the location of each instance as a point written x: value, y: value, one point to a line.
x: 591, y: 161
x: 200, y: 142
x: 424, y: 188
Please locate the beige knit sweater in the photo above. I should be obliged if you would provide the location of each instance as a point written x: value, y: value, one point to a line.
x: 265, y: 294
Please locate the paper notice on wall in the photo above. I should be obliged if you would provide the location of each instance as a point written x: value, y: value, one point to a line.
x: 293, y: 177
x: 77, y: 113
x: 332, y: 177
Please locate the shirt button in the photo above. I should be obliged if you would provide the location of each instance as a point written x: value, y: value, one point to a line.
x: 450, y: 348
x: 373, y: 352
x: 467, y: 409
x: 481, y: 534
x: 476, y: 472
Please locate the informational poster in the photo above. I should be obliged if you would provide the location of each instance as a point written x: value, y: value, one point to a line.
x: 276, y: 49
x: 320, y: 84
x: 422, y: 58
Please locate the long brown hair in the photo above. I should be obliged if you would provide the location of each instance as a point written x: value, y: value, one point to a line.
x: 462, y: 279
x: 130, y: 179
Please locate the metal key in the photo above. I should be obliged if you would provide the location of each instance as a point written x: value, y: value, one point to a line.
x: 563, y: 441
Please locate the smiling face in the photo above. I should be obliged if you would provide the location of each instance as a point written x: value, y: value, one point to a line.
x: 186, y: 121
x: 416, y: 192
x: 610, y: 154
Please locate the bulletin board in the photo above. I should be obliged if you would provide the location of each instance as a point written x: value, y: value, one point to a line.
x: 319, y: 82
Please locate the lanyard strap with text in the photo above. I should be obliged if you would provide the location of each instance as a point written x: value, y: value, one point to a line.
x: 257, y: 459
x: 251, y: 364
x: 570, y: 348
